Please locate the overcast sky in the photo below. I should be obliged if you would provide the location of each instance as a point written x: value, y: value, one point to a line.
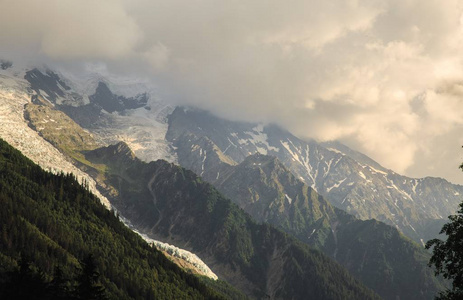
x: 383, y: 76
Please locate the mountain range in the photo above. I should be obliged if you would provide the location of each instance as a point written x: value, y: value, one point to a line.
x: 349, y: 180
x: 322, y: 195
x: 172, y: 204
x: 167, y: 203
x: 54, y: 229
x: 378, y: 254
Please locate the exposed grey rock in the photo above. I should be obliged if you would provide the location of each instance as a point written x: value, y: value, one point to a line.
x: 348, y: 179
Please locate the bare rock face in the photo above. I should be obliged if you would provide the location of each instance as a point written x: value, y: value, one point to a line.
x: 5, y: 64
x: 33, y: 122
x: 263, y: 187
x: 78, y: 116
x: 14, y: 96
x: 172, y: 204
x: 110, y: 108
x: 349, y: 180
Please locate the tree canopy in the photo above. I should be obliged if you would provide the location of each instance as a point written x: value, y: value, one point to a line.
x: 448, y: 255
x: 57, y: 241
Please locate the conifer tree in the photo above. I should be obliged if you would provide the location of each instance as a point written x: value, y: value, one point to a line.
x: 88, y: 286
x: 448, y: 255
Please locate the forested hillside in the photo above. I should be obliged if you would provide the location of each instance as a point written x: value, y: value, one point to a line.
x: 174, y: 205
x: 58, y: 242
x: 374, y: 252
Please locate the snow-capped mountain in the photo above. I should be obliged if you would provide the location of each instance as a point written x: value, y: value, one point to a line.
x: 94, y: 110
x: 348, y: 179
x: 117, y: 109
x: 270, y: 193
x: 19, y: 86
x: 15, y: 93
x: 133, y: 115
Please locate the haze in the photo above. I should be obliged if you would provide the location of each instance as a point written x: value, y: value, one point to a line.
x: 384, y: 77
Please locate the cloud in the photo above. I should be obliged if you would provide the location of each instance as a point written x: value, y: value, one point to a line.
x: 66, y: 29
x: 157, y: 56
x: 384, y: 76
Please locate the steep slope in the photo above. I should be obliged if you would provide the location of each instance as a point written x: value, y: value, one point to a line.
x: 14, y: 96
x: 111, y: 108
x: 68, y: 137
x: 349, y: 180
x: 35, y: 126
x: 58, y: 129
x: 376, y: 253
x: 172, y: 204
x: 52, y: 221
x: 143, y: 127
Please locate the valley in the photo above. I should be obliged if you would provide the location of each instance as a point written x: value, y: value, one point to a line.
x: 321, y: 194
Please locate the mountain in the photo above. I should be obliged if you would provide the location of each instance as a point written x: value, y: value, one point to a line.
x: 15, y: 95
x: 312, y: 227
x: 172, y: 204
x: 46, y: 135
x: 50, y: 227
x: 377, y: 254
x: 208, y: 145
x: 111, y: 108
x: 349, y: 180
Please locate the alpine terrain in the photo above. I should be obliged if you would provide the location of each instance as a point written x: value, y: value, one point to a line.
x: 322, y: 195
x: 349, y: 180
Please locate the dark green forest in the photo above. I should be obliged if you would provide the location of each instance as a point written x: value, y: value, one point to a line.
x: 59, y: 242
x: 176, y: 205
x: 377, y: 254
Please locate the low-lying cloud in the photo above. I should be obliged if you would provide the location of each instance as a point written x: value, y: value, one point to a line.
x: 385, y: 77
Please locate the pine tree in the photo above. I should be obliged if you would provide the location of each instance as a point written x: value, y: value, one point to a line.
x: 59, y: 287
x: 88, y: 286
x: 447, y: 255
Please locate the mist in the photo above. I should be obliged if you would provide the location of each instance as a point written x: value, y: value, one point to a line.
x: 384, y: 77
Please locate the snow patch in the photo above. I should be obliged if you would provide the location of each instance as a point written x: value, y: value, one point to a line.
x: 259, y: 139
x: 336, y: 185
x: 336, y: 151
x: 15, y: 131
x: 204, y: 159
x: 393, y: 186
x: 304, y: 161
x: 377, y: 171
x: 313, y: 231
x: 288, y: 198
x: 362, y: 175
x: 185, y: 255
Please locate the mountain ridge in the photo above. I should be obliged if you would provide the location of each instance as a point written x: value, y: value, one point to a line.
x: 265, y: 189
x: 51, y: 222
x: 172, y: 204
x: 395, y: 198
x: 210, y: 154
x: 412, y: 205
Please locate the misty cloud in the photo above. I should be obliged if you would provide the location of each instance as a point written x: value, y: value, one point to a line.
x: 66, y: 29
x: 382, y: 76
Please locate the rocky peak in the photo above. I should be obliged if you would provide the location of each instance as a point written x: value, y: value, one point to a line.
x: 110, y: 102
x: 122, y: 148
x: 5, y: 64
x: 348, y: 179
x: 118, y: 153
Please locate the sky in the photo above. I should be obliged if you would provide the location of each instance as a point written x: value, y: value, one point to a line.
x: 384, y: 77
